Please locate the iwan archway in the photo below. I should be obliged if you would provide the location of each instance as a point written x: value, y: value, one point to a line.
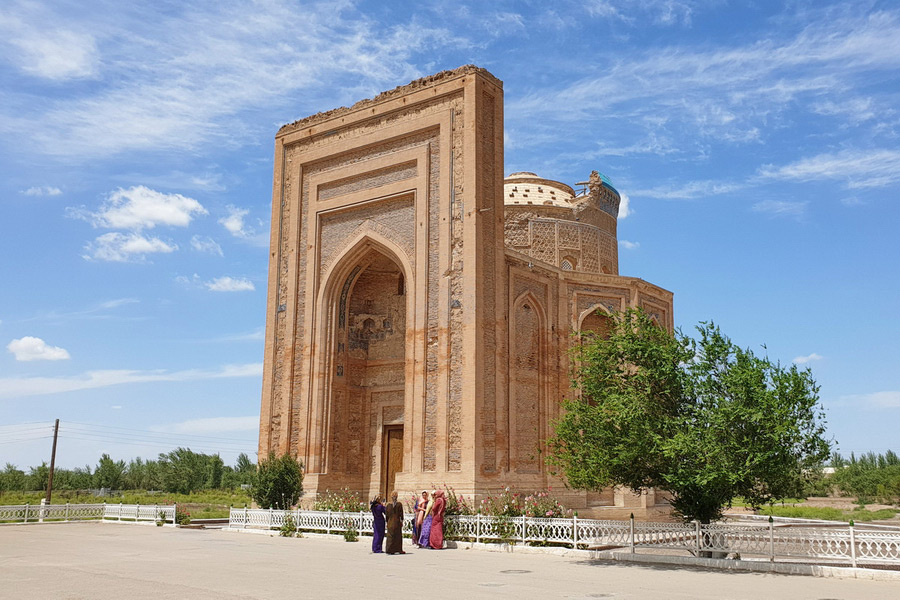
x: 364, y: 360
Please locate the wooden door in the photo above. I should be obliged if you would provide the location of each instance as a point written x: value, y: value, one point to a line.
x: 392, y: 462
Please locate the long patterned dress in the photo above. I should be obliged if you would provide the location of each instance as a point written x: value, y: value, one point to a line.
x: 394, y: 539
x: 426, y: 526
x: 415, y: 523
x: 378, y: 527
x: 436, y: 537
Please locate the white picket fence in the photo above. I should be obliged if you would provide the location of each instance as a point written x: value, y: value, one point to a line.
x: 839, y: 544
x: 38, y: 513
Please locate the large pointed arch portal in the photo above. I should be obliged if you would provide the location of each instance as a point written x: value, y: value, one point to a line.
x: 363, y: 395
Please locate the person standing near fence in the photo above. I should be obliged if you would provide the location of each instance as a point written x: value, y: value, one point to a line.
x: 415, y: 519
x: 426, y: 523
x: 421, y: 505
x: 377, y: 507
x: 436, y: 538
x: 394, y: 533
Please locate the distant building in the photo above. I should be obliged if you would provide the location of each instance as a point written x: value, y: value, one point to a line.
x: 420, y: 306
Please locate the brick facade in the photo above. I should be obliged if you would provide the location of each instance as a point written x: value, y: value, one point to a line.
x: 411, y: 288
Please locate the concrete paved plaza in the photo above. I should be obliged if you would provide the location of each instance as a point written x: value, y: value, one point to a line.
x: 108, y: 560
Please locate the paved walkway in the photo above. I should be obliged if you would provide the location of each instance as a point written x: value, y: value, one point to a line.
x: 115, y: 561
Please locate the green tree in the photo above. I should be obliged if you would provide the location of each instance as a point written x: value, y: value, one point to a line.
x: 183, y: 471
x: 12, y: 479
x: 242, y: 473
x: 73, y: 479
x: 278, y: 482
x: 215, y: 472
x: 703, y: 420
x: 38, y: 477
x: 109, y: 473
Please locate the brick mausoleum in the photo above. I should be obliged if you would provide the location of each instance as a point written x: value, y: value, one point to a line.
x: 421, y: 306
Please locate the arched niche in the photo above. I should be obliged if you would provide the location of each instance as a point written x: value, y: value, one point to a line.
x: 362, y: 384
x: 527, y: 364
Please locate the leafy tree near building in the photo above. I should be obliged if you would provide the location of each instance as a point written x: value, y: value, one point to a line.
x: 278, y: 482
x: 182, y: 470
x: 703, y: 420
x: 109, y: 473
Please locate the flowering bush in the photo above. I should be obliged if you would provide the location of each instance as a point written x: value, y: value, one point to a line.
x: 342, y: 500
x: 456, y: 503
x: 544, y: 505
x: 289, y: 528
x: 350, y: 532
x: 505, y: 504
x: 182, y: 517
x: 514, y: 504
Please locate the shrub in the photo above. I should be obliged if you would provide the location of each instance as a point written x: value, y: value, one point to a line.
x: 456, y: 503
x: 505, y: 504
x: 182, y: 516
x: 350, y: 532
x: 342, y: 500
x: 278, y: 482
x: 289, y: 529
x: 544, y: 505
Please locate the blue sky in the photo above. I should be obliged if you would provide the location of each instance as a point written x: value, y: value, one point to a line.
x: 756, y: 144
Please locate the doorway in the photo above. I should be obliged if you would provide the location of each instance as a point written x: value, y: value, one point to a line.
x: 392, y: 457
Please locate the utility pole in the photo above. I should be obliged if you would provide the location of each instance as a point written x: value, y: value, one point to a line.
x: 52, y: 462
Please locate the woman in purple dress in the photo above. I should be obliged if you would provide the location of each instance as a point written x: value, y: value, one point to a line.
x: 425, y: 533
x: 418, y: 509
x: 377, y: 507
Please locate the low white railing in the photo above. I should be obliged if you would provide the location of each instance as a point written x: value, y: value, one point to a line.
x: 39, y: 513
x: 833, y: 543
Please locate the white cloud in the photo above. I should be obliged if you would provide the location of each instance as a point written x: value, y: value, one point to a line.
x: 206, y: 244
x: 100, y: 310
x: 886, y: 399
x: 662, y: 12
x: 35, y: 42
x: 802, y: 360
x: 690, y: 190
x: 19, y: 387
x: 857, y: 168
x: 211, y: 425
x: 178, y: 83
x: 252, y: 336
x: 781, y: 208
x: 140, y: 208
x: 229, y: 284
x: 629, y: 245
x: 624, y: 206
x: 34, y: 348
x: 45, y: 190
x: 234, y: 221
x: 120, y: 247
x: 117, y: 302
x: 857, y: 110
x: 727, y: 92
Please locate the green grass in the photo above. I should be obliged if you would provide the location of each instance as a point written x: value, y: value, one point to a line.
x: 211, y: 504
x: 828, y: 514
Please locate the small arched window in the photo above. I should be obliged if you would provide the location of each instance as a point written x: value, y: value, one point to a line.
x: 567, y: 264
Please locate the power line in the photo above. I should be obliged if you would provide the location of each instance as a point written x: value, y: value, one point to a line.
x: 112, y: 436
x: 48, y: 424
x: 148, y: 431
x: 19, y: 441
x: 147, y: 444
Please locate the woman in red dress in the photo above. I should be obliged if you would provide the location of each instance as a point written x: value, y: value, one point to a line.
x: 436, y: 539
